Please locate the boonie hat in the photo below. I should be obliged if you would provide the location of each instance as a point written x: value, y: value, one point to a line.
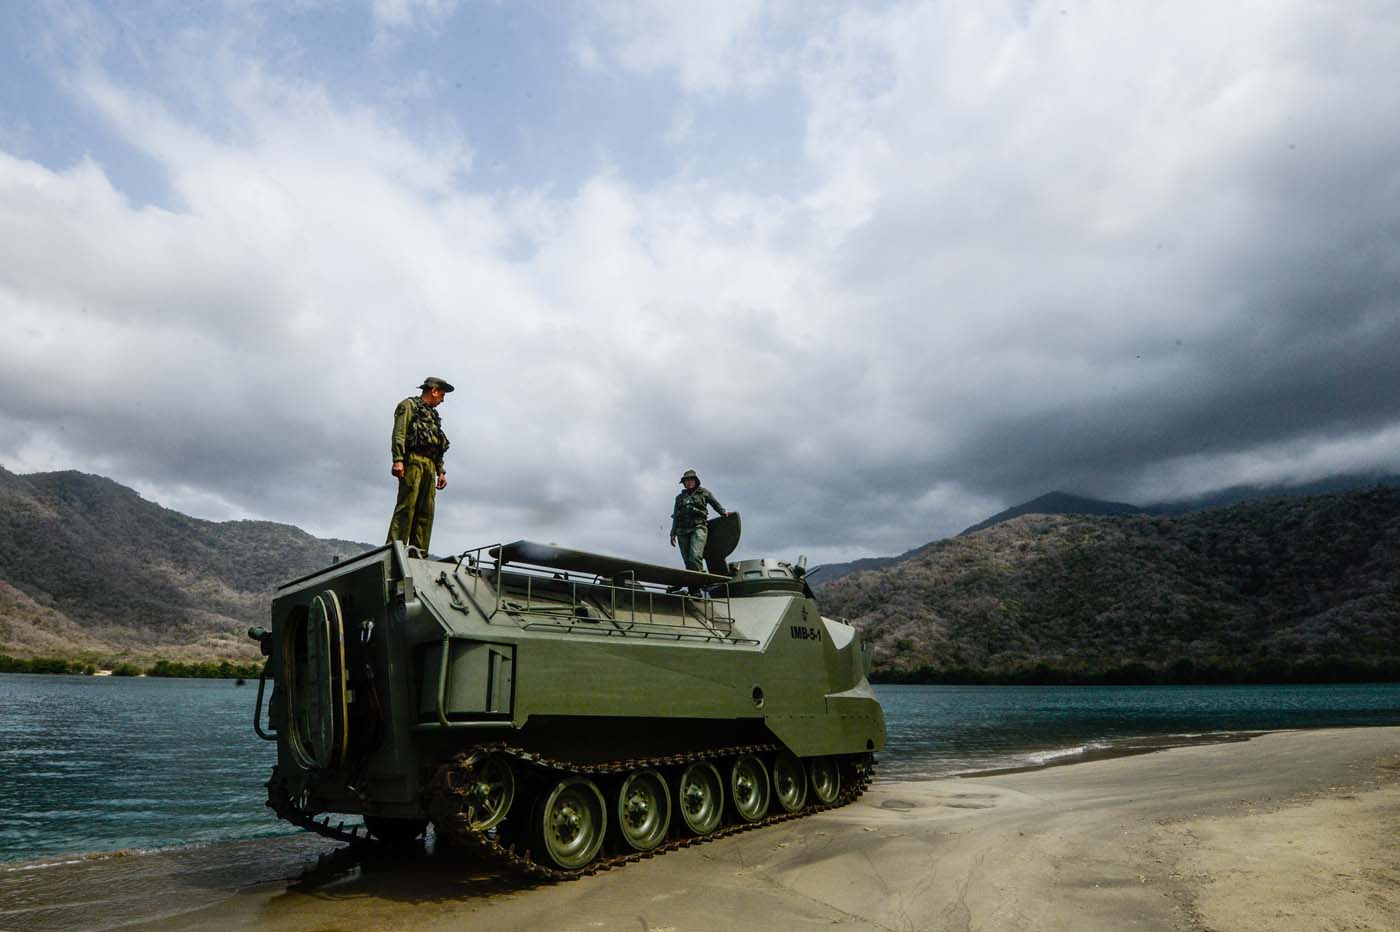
x: 433, y: 381
x: 689, y: 474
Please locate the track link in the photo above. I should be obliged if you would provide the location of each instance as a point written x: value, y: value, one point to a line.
x: 446, y: 805
x: 281, y: 802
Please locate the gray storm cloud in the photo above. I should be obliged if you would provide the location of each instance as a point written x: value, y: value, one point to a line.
x: 1123, y: 250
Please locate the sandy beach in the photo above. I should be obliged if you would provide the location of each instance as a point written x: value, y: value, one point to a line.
x: 1291, y: 830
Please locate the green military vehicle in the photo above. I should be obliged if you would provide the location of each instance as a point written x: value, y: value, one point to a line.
x: 561, y: 711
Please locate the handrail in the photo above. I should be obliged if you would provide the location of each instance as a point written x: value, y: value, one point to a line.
x: 257, y: 709
x: 442, y: 680
x: 441, y: 711
x: 675, y: 632
x: 491, y: 572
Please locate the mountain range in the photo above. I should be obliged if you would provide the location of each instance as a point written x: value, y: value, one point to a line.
x: 1274, y: 589
x: 1065, y: 503
x: 1062, y: 587
x: 89, y: 568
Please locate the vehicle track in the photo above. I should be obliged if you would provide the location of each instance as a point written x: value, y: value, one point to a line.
x: 449, y: 802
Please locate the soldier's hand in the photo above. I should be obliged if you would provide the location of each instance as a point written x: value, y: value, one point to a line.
x: 396, y: 470
x: 673, y: 540
x: 442, y: 481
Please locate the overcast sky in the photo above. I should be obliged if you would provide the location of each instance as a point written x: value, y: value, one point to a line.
x: 875, y: 270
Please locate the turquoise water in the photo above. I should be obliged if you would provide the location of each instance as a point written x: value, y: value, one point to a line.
x: 98, y: 764
x: 934, y: 731
x: 104, y: 763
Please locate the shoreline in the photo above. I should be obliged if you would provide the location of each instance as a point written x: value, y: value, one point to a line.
x: 1288, y: 830
x: 1053, y: 757
x: 158, y: 669
x: 1112, y: 749
x: 1128, y: 747
x: 79, y: 666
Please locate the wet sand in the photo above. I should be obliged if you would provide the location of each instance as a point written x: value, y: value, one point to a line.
x: 1291, y: 830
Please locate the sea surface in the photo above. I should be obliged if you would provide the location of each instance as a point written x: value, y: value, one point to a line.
x: 93, y: 764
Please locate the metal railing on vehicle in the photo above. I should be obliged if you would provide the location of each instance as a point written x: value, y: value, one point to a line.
x: 546, y: 598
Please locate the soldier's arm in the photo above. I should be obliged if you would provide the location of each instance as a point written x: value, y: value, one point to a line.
x: 400, y: 434
x: 714, y: 501
x: 676, y: 516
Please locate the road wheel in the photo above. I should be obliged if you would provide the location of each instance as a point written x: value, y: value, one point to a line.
x: 489, y: 789
x: 700, y: 798
x: 826, y: 779
x: 643, y: 810
x: 570, y: 821
x: 749, y: 788
x: 789, y: 782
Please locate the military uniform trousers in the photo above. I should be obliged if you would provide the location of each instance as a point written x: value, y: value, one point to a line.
x: 413, y: 512
x: 691, y: 541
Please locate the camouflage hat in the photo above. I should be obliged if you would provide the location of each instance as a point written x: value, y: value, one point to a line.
x: 433, y: 381
x: 689, y: 474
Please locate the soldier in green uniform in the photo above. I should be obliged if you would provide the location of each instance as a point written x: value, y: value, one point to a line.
x: 689, y: 520
x: 417, y: 447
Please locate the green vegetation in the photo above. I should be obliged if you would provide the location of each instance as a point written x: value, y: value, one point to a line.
x: 10, y: 664
x: 1277, y: 590
x: 88, y: 568
x: 1181, y: 672
x: 206, y: 670
x: 167, y: 668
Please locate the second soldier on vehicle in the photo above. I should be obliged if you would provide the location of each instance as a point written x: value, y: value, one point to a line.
x: 689, y: 520
x: 418, y: 446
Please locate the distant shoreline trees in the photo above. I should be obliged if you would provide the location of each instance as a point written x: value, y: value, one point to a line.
x: 1184, y: 672
x: 224, y: 669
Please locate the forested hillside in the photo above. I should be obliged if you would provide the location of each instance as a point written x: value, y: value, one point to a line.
x: 89, y: 568
x: 1280, y: 589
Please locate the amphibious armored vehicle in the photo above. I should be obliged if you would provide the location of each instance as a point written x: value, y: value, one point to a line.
x: 556, y: 710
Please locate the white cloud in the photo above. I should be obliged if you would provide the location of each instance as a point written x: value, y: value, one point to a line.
x: 712, y: 47
x: 1295, y: 461
x: 681, y: 129
x: 399, y: 14
x: 323, y: 265
x: 1120, y: 250
x: 585, y: 54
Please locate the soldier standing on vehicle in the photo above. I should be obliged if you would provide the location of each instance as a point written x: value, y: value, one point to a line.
x: 417, y: 447
x: 689, y: 520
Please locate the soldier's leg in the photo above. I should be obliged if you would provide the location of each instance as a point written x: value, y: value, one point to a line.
x: 401, y: 524
x: 423, y: 510
x: 694, y: 548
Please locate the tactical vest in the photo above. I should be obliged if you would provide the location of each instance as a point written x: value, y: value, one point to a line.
x: 692, y: 508
x: 424, y: 435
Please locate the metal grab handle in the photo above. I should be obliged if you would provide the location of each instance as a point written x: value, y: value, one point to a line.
x: 257, y: 709
x: 442, y: 681
x: 441, y: 710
